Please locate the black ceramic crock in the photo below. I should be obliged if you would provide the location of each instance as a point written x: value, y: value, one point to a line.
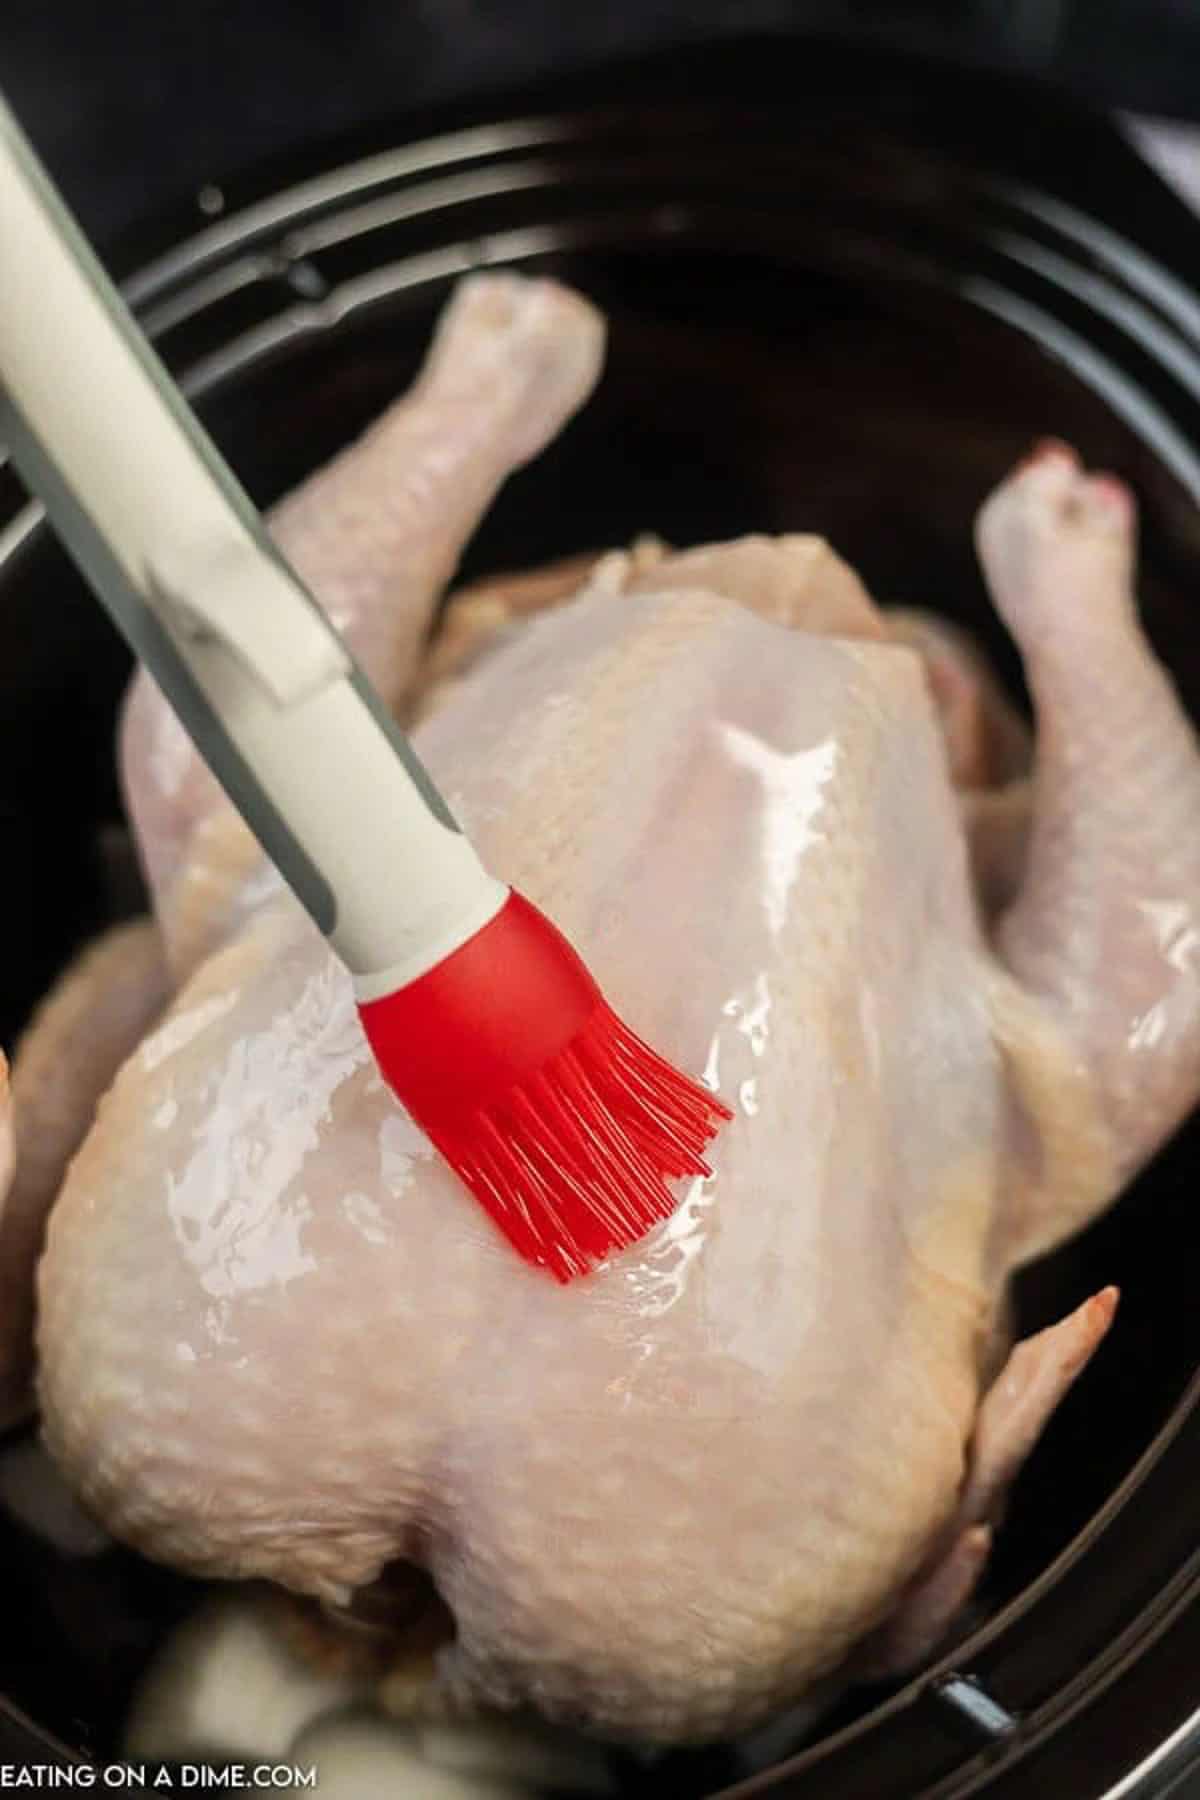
x: 845, y: 294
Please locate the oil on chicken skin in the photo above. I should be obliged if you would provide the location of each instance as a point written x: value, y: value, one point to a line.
x: 948, y: 983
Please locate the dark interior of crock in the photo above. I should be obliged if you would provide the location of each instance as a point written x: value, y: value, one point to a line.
x: 750, y: 385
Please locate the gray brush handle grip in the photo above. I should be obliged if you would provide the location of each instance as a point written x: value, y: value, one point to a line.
x: 175, y: 549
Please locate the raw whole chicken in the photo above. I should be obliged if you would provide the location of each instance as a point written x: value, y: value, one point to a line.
x: 948, y: 984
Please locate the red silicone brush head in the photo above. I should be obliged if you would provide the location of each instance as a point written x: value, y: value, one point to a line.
x: 565, y: 1126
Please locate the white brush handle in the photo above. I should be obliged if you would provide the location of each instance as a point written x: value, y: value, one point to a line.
x: 175, y: 548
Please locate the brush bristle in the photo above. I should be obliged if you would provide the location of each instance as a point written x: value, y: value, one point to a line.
x: 565, y: 1126
x: 575, y: 1163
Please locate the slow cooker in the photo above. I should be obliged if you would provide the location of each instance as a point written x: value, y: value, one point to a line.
x: 845, y: 293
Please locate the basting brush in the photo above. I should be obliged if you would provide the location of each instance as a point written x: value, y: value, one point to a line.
x: 566, y: 1127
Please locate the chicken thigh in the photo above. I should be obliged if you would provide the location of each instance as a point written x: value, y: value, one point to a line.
x: 276, y: 1339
